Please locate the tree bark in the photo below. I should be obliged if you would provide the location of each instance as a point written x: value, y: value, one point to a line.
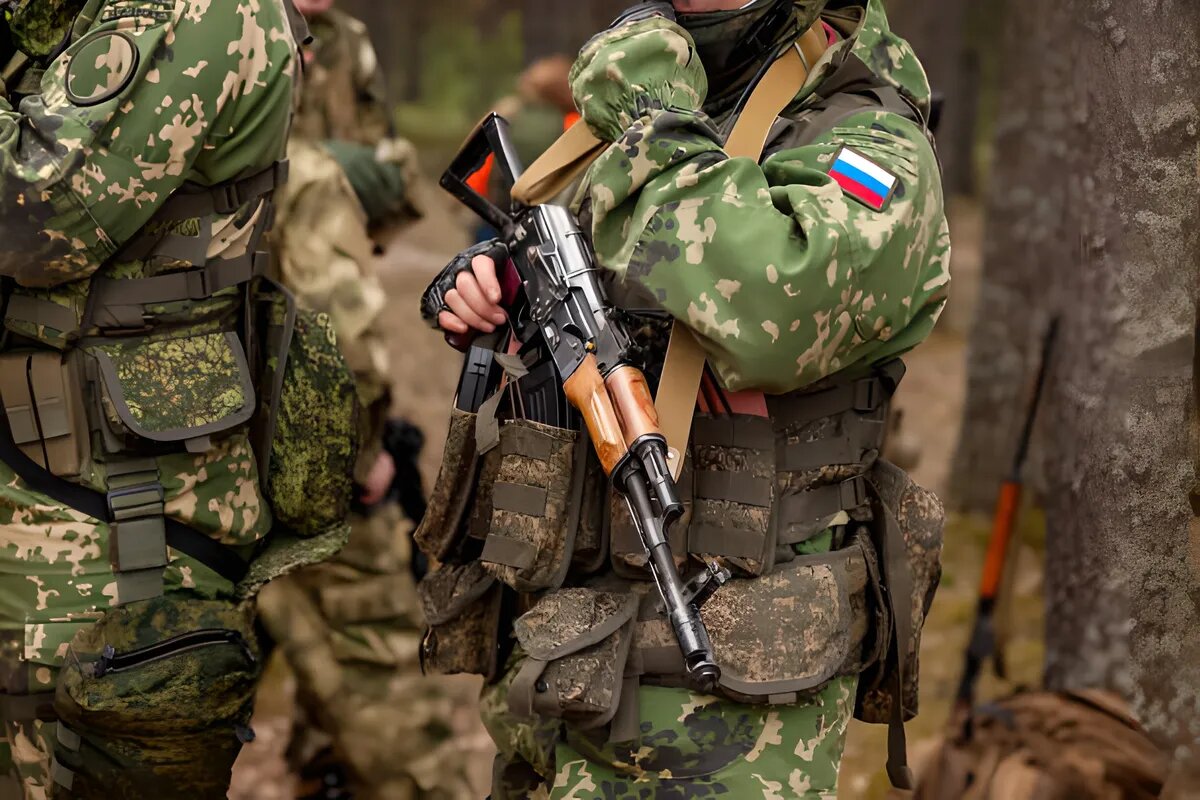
x: 1094, y: 217
x: 1028, y: 220
x: 1131, y: 421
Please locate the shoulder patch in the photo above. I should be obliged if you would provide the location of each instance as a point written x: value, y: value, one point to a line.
x: 863, y: 179
x: 101, y: 68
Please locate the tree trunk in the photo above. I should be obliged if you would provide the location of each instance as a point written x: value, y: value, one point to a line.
x: 1028, y: 226
x: 1124, y: 457
x: 1093, y: 216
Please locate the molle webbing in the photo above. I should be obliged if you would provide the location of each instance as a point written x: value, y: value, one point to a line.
x: 134, y: 501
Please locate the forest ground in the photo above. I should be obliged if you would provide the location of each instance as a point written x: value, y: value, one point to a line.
x: 931, y: 398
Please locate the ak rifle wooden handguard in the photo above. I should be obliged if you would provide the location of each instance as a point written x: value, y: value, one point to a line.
x: 633, y: 403
x: 586, y: 391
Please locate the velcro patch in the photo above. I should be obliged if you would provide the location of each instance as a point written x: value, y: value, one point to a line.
x: 102, y: 66
x: 863, y: 179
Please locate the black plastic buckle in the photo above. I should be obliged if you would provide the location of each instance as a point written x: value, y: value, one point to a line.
x: 868, y: 395
x: 852, y: 493
x: 227, y: 199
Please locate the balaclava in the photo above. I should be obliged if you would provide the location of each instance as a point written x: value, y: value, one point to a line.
x: 39, y: 27
x: 734, y: 45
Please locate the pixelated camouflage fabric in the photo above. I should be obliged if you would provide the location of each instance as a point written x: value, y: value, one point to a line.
x: 178, y: 388
x: 315, y: 443
x: 922, y: 520
x: 144, y: 716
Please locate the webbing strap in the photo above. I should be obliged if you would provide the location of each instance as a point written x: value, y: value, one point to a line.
x: 898, y: 580
x: 28, y: 707
x: 559, y: 166
x: 37, y: 311
x: 209, y: 552
x: 192, y: 284
x: 820, y: 503
x: 192, y: 201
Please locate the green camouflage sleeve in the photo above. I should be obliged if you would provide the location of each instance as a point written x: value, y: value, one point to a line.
x: 785, y: 277
x: 122, y: 120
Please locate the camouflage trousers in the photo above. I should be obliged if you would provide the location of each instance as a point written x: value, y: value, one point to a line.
x: 691, y: 746
x: 350, y: 630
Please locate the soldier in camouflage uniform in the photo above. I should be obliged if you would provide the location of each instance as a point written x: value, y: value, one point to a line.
x: 350, y: 628
x: 804, y: 276
x: 173, y: 429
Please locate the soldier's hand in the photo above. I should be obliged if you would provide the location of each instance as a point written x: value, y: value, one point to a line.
x: 466, y: 296
x: 628, y: 71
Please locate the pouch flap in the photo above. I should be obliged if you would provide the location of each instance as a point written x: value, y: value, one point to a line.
x: 578, y: 642
x: 781, y: 635
x: 176, y: 389
x: 440, y: 531
x: 447, y: 592
x: 569, y: 620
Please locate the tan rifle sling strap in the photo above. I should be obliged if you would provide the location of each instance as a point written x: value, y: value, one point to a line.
x: 567, y: 158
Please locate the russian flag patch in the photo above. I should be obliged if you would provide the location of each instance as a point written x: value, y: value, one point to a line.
x: 863, y: 179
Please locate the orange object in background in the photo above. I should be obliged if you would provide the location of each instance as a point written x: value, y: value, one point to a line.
x: 481, y: 181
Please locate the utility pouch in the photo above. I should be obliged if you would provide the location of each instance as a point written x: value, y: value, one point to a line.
x: 577, y: 643
x: 462, y: 606
x: 910, y: 536
x: 311, y: 428
x: 733, y: 463
x: 779, y: 638
x: 628, y: 555
x: 43, y: 398
x: 443, y: 528
x: 535, y: 504
x: 154, y: 696
x: 154, y: 393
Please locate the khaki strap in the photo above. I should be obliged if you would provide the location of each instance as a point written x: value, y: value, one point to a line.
x: 684, y: 367
x: 559, y: 167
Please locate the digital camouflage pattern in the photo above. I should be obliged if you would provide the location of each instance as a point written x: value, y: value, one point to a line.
x: 784, y: 277
x: 202, y: 700
x: 167, y: 84
x: 691, y: 746
x: 350, y: 629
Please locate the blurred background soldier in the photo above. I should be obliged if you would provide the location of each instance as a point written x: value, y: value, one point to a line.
x: 349, y: 630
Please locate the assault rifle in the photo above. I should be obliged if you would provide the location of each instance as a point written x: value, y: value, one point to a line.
x: 566, y: 312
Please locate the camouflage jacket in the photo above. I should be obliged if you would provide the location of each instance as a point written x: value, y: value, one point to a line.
x: 786, y: 277
x: 146, y: 97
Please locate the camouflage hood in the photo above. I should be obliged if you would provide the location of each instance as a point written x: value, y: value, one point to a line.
x: 38, y: 27
x: 866, y: 35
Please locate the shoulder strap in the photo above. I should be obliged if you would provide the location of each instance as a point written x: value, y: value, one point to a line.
x: 684, y: 366
x: 567, y: 158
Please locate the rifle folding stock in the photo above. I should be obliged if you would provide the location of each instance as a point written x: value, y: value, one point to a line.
x: 567, y: 312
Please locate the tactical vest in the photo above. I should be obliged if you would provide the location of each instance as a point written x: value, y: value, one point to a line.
x: 836, y: 553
